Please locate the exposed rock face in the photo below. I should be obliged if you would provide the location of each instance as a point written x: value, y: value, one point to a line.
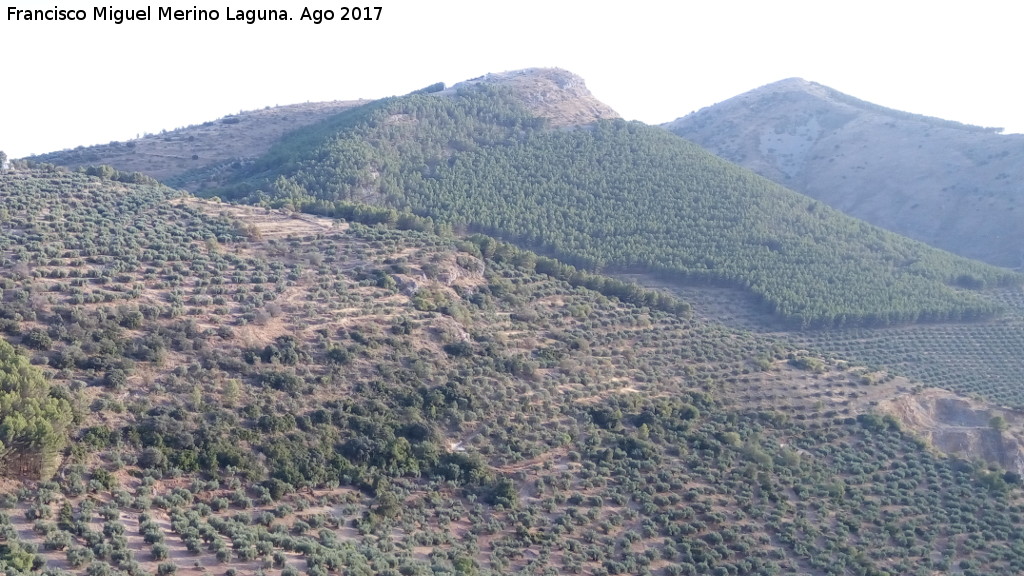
x: 558, y: 95
x: 954, y: 186
x: 958, y: 426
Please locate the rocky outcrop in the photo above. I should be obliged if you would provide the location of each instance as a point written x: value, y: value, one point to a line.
x: 962, y: 427
x: 558, y: 95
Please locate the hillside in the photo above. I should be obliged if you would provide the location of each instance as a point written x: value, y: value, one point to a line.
x: 256, y: 390
x: 612, y: 196
x: 953, y: 186
x: 195, y: 157
x: 198, y: 153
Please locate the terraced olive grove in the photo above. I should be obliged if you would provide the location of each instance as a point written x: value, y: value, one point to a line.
x: 257, y: 390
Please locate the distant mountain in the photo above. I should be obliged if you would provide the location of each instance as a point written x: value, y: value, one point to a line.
x: 195, y: 157
x: 954, y: 186
x: 203, y: 150
x: 613, y: 196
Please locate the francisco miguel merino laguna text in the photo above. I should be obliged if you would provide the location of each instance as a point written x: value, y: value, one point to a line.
x: 119, y: 16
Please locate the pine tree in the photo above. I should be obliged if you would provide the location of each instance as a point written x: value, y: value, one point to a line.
x: 33, y: 424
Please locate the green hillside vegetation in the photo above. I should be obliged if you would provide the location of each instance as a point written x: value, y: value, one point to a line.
x: 259, y: 390
x: 33, y: 422
x: 975, y: 360
x: 616, y: 197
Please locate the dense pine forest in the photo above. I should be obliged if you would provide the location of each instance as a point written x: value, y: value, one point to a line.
x: 614, y: 197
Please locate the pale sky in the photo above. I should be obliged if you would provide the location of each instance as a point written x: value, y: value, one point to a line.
x: 66, y: 84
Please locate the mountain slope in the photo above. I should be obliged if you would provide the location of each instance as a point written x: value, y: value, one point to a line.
x: 612, y: 195
x: 194, y: 157
x: 260, y: 390
x: 953, y: 186
x: 196, y: 154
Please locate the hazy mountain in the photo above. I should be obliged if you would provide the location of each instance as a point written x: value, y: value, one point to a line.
x: 202, y: 150
x: 954, y: 186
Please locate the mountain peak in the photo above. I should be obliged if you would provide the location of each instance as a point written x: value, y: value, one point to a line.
x: 794, y: 83
x: 802, y: 93
x: 553, y: 93
x: 948, y: 184
x: 788, y: 89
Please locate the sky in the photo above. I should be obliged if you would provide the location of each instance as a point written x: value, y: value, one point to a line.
x: 71, y: 83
